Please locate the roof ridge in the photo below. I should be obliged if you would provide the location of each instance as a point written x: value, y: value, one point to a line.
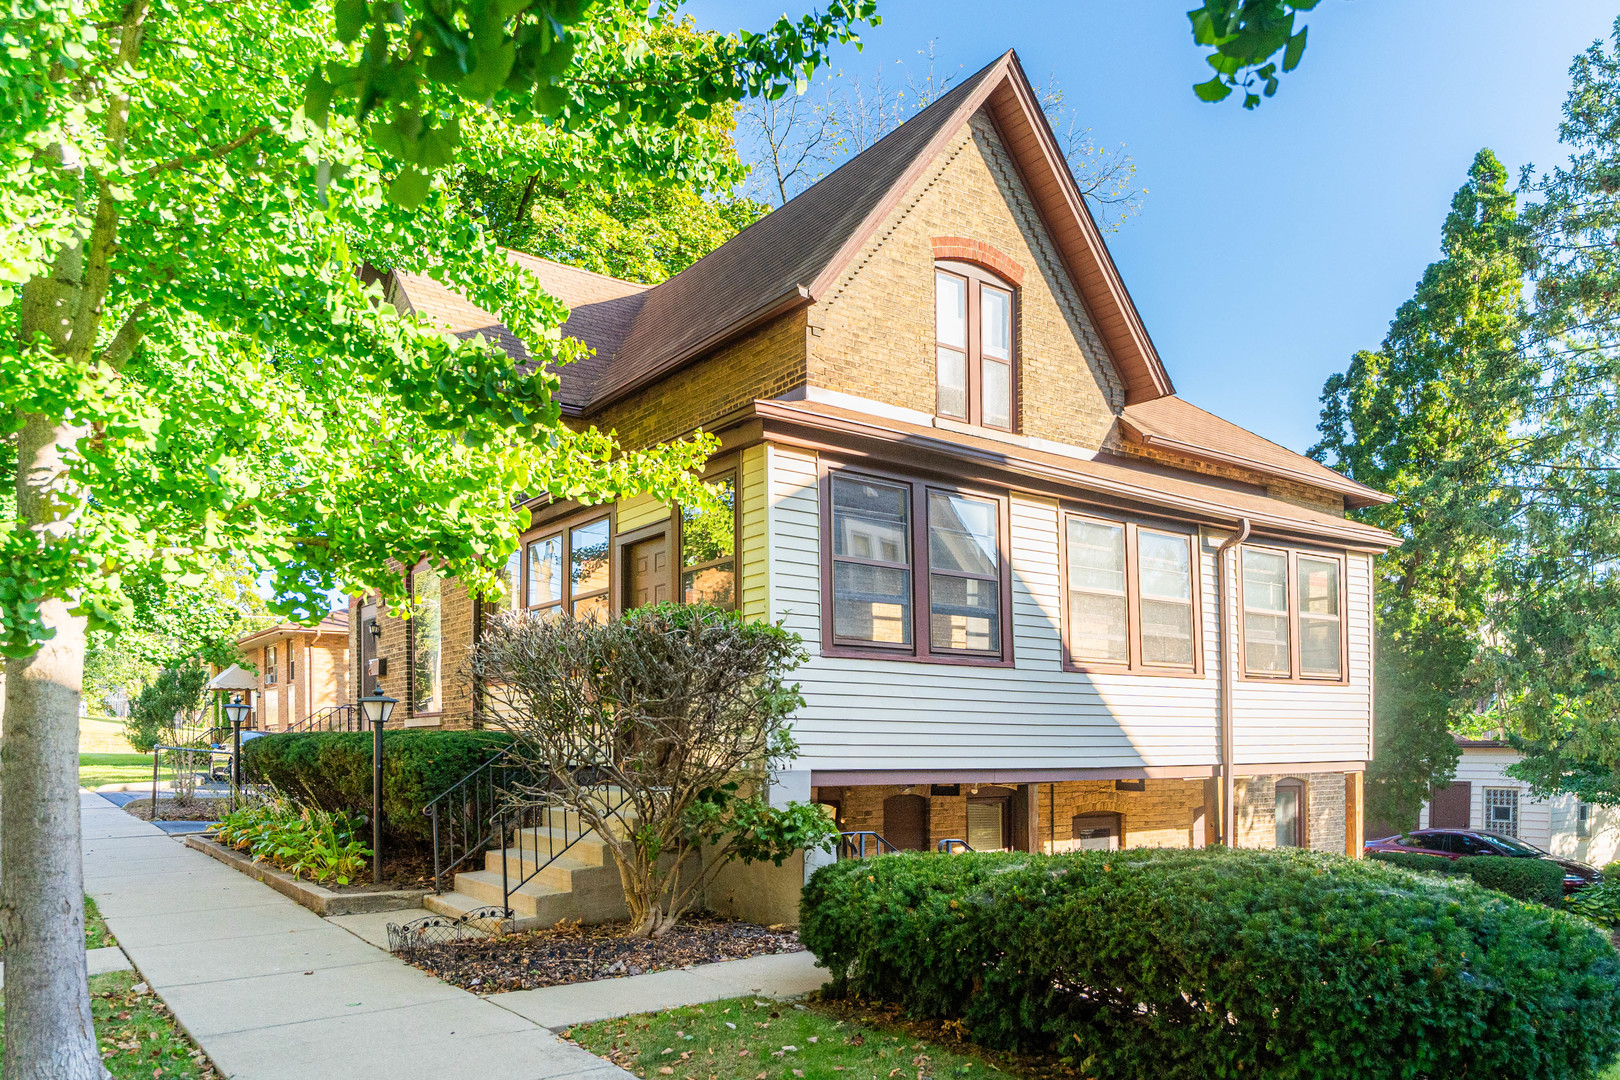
x: 638, y: 286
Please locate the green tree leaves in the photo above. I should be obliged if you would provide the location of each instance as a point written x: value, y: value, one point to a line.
x: 1244, y: 35
x: 1430, y: 418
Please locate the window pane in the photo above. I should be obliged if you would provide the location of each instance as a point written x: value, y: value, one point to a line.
x: 1265, y: 580
x: 513, y: 580
x: 872, y: 603
x: 870, y: 521
x: 708, y: 549
x: 1096, y: 556
x: 1287, y: 816
x: 1167, y: 636
x: 1318, y: 586
x: 588, y: 558
x: 545, y: 571
x: 425, y: 638
x: 984, y: 826
x: 952, y: 400
x: 997, y: 394
x: 594, y: 608
x: 950, y: 310
x: 995, y: 320
x: 961, y: 534
x: 1166, y: 565
x: 1097, y: 627
x: 1265, y: 643
x: 1319, y: 646
x: 965, y: 613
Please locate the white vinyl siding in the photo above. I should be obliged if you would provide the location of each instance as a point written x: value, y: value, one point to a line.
x: 897, y: 714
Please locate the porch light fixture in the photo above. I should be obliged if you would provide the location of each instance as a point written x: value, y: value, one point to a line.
x: 378, y: 707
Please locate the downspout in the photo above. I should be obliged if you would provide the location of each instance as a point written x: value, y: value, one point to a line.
x: 1228, y: 754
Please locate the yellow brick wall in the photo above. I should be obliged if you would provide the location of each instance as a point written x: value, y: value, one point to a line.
x: 1312, y: 498
x: 873, y: 334
x: 1256, y: 802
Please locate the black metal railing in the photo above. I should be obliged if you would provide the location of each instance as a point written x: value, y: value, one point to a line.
x: 526, y: 823
x: 952, y: 845
x: 332, y: 718
x: 863, y: 845
x: 464, y: 814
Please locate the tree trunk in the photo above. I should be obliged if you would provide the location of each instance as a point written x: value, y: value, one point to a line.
x: 48, y: 1029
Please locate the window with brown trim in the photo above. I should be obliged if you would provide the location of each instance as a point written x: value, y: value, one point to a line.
x: 915, y: 569
x: 975, y: 346
x: 569, y: 570
x: 1131, y: 597
x: 1293, y: 614
x: 708, y: 539
x: 1293, y: 826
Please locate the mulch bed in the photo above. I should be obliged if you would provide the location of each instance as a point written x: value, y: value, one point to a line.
x: 406, y: 870
x: 201, y: 809
x: 570, y: 953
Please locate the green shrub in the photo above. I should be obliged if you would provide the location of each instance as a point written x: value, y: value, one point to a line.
x: 299, y: 839
x: 1539, y: 880
x: 332, y: 771
x: 1600, y: 902
x: 1203, y: 963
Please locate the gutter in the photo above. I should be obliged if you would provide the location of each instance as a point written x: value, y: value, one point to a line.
x: 1228, y: 751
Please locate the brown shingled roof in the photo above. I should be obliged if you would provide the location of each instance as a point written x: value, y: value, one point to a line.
x: 1172, y: 424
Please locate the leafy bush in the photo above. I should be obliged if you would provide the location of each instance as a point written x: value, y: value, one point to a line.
x: 1600, y: 902
x: 175, y: 701
x: 1200, y: 963
x: 299, y: 839
x: 1539, y: 880
x: 332, y: 771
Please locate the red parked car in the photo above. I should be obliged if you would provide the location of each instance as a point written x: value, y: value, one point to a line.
x: 1455, y: 843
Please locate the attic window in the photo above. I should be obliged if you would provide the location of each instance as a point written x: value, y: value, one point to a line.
x: 975, y: 346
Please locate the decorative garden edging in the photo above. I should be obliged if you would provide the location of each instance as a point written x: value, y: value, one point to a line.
x: 320, y: 900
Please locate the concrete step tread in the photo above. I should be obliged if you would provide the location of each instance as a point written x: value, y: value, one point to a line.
x: 492, y: 878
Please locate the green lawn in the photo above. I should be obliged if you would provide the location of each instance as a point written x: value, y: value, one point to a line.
x: 746, y: 1038
x: 98, y: 769
x: 137, y: 1036
x: 96, y: 934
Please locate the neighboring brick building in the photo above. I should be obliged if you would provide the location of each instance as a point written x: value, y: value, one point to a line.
x: 302, y: 670
x: 1048, y: 603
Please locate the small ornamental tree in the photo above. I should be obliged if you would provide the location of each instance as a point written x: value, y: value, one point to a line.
x: 664, y: 720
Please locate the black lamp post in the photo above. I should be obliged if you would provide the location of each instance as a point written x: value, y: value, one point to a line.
x: 378, y: 707
x: 237, y: 711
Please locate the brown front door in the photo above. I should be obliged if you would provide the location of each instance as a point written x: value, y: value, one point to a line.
x: 1450, y: 807
x: 649, y: 573
x: 905, y: 822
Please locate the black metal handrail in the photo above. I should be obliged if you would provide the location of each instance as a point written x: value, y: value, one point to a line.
x: 515, y: 818
x: 853, y: 845
x: 464, y: 814
x: 952, y: 845
x: 347, y: 717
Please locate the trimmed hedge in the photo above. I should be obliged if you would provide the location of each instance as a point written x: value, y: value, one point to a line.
x: 332, y: 770
x: 1208, y: 963
x: 1538, y: 880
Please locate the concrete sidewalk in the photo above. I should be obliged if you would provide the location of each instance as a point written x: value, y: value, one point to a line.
x: 274, y: 992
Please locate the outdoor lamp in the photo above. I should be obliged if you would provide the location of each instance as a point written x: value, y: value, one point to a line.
x: 378, y: 707
x: 236, y: 711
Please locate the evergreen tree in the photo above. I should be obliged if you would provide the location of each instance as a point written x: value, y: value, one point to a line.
x: 1428, y: 419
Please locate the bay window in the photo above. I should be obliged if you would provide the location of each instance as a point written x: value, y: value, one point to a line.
x: 1130, y: 597
x: 1293, y: 614
x: 584, y: 587
x: 915, y: 570
x: 974, y: 346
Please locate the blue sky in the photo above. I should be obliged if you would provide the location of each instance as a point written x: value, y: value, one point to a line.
x: 1273, y: 244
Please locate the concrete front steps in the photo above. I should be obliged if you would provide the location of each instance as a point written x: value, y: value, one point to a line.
x: 580, y: 884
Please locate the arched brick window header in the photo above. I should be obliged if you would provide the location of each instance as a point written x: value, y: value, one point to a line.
x: 980, y: 253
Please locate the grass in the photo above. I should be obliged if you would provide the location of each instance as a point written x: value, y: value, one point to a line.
x: 137, y: 1036
x: 750, y: 1039
x: 98, y: 769
x: 96, y: 934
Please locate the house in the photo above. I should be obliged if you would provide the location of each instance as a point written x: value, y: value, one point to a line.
x: 302, y: 670
x: 1048, y: 603
x: 1484, y: 796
